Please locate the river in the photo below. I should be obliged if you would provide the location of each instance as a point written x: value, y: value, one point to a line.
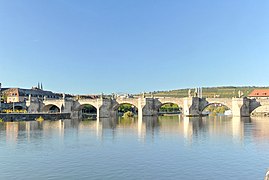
x: 167, y: 147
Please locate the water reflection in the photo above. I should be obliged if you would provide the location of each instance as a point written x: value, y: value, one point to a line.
x: 166, y: 146
x: 237, y: 129
x: 189, y: 128
x: 257, y: 128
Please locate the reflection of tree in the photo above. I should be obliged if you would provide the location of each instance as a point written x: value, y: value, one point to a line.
x: 126, y: 121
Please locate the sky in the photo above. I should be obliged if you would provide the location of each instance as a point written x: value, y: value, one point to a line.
x: 119, y: 46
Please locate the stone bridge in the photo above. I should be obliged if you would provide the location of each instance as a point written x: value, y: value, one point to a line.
x: 15, y: 105
x: 107, y: 107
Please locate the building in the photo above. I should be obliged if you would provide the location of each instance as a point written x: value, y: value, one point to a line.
x: 21, y: 95
x: 259, y: 94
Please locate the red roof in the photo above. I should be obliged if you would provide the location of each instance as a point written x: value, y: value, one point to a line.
x: 259, y: 93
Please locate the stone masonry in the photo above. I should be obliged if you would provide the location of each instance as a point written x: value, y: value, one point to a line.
x: 107, y: 107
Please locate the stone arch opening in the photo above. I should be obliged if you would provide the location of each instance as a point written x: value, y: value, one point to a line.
x: 17, y: 107
x: 169, y: 108
x: 88, y: 112
x: 260, y: 111
x: 51, y: 108
x: 127, y: 109
x: 216, y: 109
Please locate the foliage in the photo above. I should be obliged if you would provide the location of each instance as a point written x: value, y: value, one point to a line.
x: 4, y: 98
x: 216, y: 109
x: 1, y: 120
x: 126, y: 108
x: 128, y: 114
x: 15, y: 111
x: 169, y: 108
x: 89, y: 109
x: 126, y: 121
x: 40, y: 119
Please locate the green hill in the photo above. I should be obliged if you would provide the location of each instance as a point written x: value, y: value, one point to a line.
x: 221, y: 92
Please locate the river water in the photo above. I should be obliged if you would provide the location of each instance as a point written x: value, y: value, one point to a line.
x: 167, y: 147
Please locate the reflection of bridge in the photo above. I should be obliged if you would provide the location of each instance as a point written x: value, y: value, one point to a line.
x: 107, y: 107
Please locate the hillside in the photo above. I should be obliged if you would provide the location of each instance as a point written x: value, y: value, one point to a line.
x: 222, y: 92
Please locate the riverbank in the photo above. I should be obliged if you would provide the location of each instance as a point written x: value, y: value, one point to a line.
x: 11, y: 117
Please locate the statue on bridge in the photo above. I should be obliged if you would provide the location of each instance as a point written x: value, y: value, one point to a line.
x: 189, y: 93
x: 196, y: 92
x: 113, y: 96
x: 240, y: 94
x: 143, y: 95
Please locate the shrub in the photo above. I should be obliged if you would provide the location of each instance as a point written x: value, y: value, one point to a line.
x: 128, y: 114
x: 40, y: 119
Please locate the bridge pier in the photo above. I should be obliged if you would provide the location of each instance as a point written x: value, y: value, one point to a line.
x: 241, y: 107
x: 191, y: 107
x: 33, y: 106
x: 107, y: 107
x: 148, y: 107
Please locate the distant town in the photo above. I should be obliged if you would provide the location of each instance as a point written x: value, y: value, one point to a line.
x: 10, y: 95
x: 17, y: 94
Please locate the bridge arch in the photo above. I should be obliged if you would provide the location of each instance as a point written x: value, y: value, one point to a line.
x: 132, y: 107
x: 168, y: 100
x: 216, y: 106
x: 18, y: 107
x: 261, y: 110
x: 222, y: 101
x: 88, y: 111
x: 82, y: 102
x: 82, y: 105
x: 169, y: 108
x: 51, y: 108
x: 85, y: 109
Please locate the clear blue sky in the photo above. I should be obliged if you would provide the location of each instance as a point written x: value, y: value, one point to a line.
x: 94, y: 46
